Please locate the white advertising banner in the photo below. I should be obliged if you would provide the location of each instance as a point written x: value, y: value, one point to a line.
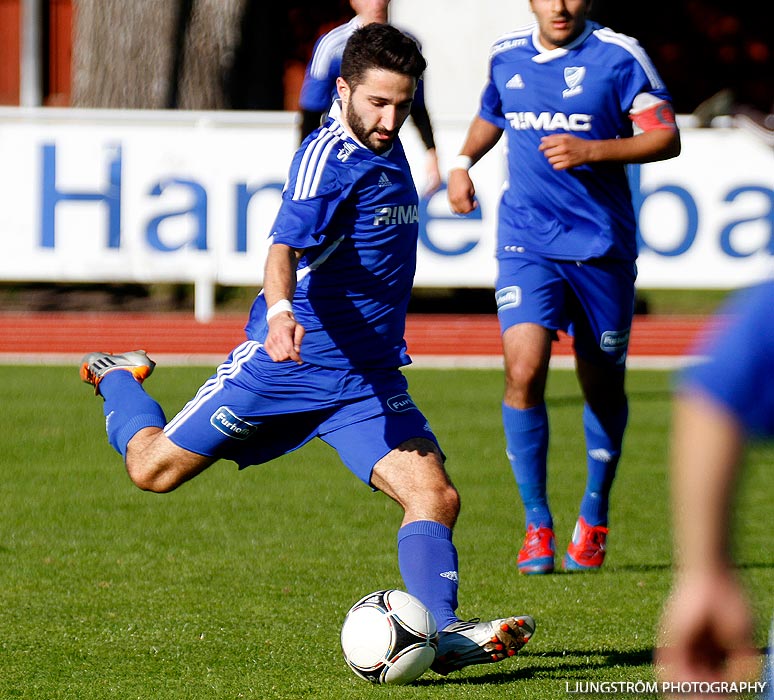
x: 89, y: 195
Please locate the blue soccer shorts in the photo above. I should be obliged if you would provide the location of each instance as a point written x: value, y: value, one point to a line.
x: 592, y: 300
x: 253, y: 410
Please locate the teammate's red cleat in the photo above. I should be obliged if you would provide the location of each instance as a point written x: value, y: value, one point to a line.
x: 587, y: 550
x: 536, y: 555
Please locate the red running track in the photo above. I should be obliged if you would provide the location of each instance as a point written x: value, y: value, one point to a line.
x: 58, y: 334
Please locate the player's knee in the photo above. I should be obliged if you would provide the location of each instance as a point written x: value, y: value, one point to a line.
x: 524, y: 386
x: 435, y: 500
x: 443, y: 494
x: 450, y: 501
x: 522, y: 374
x: 151, y: 477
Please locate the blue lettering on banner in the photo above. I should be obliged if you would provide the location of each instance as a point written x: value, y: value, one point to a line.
x: 197, y: 211
x: 688, y: 238
x: 52, y: 196
x: 691, y: 210
x: 244, y: 196
x: 730, y: 237
x: 725, y: 234
x: 426, y: 218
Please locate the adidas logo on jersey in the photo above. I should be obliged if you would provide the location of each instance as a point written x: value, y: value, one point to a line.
x: 384, y: 181
x: 516, y: 82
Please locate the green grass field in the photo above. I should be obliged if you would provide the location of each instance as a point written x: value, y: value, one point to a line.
x: 235, y: 586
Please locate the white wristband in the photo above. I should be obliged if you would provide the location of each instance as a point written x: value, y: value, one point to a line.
x: 461, y: 163
x: 278, y: 307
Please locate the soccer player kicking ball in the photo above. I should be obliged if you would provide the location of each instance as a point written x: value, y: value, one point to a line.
x: 570, y: 95
x: 325, y: 346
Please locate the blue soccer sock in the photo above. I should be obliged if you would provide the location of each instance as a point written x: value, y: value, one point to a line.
x: 127, y: 408
x: 604, y: 438
x: 428, y: 564
x: 526, y: 439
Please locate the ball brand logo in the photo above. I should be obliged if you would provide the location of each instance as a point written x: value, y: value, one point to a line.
x: 229, y: 424
x: 390, y: 216
x: 545, y: 121
x: 400, y: 403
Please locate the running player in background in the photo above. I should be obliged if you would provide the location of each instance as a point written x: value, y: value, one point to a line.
x: 319, y: 87
x: 325, y: 346
x: 578, y: 102
x: 720, y: 406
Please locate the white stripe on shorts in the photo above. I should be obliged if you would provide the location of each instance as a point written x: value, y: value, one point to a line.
x: 230, y: 368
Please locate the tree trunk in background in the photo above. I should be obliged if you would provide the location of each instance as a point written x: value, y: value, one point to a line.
x: 123, y: 53
x: 154, y: 53
x: 214, y: 31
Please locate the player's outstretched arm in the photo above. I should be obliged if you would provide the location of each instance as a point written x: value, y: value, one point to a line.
x: 481, y: 138
x: 706, y: 627
x: 283, y: 341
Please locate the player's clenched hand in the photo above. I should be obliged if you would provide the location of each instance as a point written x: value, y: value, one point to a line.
x: 461, y: 192
x: 707, y: 631
x: 564, y: 151
x: 283, y: 341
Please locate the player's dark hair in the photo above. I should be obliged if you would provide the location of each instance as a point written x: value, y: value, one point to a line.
x: 380, y: 46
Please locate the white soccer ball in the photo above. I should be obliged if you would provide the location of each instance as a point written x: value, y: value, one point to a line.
x: 389, y: 637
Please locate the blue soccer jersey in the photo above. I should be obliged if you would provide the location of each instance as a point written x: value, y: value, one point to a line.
x: 318, y: 90
x: 738, y: 371
x: 586, y: 89
x: 355, y: 215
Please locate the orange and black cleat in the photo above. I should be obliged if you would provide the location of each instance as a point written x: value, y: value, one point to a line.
x: 96, y: 365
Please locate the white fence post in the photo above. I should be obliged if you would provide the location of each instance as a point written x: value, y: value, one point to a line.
x: 204, y: 299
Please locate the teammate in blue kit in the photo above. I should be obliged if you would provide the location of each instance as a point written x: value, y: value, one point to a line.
x: 721, y: 405
x: 325, y: 346
x: 577, y: 101
x: 319, y: 87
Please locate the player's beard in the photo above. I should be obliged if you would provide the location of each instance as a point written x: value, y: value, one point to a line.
x: 364, y: 135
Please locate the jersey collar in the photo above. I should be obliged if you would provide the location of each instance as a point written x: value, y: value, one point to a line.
x: 545, y: 55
